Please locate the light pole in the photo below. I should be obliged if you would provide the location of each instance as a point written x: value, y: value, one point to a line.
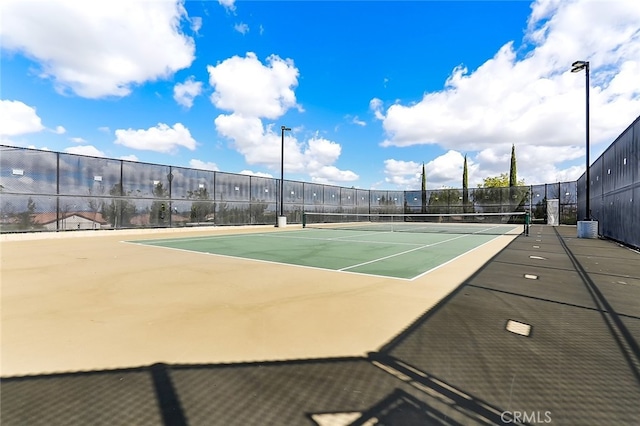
x: 578, y: 66
x: 282, y: 129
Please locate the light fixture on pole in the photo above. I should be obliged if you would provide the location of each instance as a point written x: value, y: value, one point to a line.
x: 282, y: 129
x: 578, y: 66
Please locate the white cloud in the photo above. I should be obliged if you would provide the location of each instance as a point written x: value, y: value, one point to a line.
x: 247, y: 87
x: 533, y: 101
x: 59, y: 130
x: 184, y: 93
x: 85, y: 150
x: 75, y: 43
x: 259, y: 174
x: 252, y: 91
x: 242, y: 28
x: 375, y: 105
x: 77, y: 140
x: 443, y: 171
x: 104, y: 129
x: 160, y: 138
x: 18, y: 118
x: 446, y: 170
x: 228, y: 4
x: 130, y: 157
x: 196, y: 23
x: 262, y: 146
x: 359, y: 122
x: 203, y: 165
x: 331, y: 174
x: 402, y: 173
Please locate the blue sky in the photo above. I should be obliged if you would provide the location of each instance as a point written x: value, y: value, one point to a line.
x: 371, y: 90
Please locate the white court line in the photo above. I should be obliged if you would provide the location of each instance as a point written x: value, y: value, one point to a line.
x: 261, y: 234
x: 272, y: 262
x: 409, y: 251
x: 457, y: 257
x: 342, y: 270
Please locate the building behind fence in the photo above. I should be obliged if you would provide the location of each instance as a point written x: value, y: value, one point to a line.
x: 615, y: 189
x: 53, y: 191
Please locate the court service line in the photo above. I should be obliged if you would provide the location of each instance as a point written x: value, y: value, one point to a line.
x: 403, y: 252
x: 459, y: 256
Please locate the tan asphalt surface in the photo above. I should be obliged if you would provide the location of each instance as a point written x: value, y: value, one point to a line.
x: 84, y: 301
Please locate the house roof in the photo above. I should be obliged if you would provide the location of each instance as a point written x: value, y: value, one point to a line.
x: 50, y: 217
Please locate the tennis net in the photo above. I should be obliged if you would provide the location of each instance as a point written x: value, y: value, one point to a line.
x: 451, y: 223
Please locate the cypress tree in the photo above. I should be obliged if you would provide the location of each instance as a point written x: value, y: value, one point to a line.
x: 513, y: 179
x: 465, y: 187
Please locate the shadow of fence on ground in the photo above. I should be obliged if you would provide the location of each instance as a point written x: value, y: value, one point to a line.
x: 455, y: 365
x: 338, y: 391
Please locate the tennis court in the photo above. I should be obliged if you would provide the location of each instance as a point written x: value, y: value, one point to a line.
x: 404, y: 255
x: 98, y: 300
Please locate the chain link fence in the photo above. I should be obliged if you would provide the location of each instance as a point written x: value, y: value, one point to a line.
x: 53, y: 191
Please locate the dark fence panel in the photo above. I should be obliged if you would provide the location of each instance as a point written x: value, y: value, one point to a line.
x: 313, y: 197
x: 362, y: 201
x: 145, y: 180
x: 192, y: 184
x: 232, y: 187
x: 614, y: 189
x: 88, y: 176
x: 264, y: 189
x: 332, y: 195
x: 24, y: 171
x: 347, y: 198
x: 48, y: 191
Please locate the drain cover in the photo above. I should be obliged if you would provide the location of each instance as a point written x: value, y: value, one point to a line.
x: 518, y: 328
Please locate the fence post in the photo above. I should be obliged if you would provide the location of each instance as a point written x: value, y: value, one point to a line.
x: 57, y: 191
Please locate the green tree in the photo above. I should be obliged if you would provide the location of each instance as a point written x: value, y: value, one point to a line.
x: 259, y: 214
x: 27, y: 217
x: 501, y: 181
x: 203, y: 209
x: 494, y: 194
x: 119, y: 211
x: 159, y: 213
x: 490, y: 194
x: 96, y: 204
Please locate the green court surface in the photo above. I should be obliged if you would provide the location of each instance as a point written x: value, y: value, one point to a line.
x: 399, y: 255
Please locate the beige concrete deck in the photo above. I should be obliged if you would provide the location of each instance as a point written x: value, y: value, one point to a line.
x: 82, y: 301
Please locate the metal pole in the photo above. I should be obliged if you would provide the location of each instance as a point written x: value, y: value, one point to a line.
x: 587, y: 142
x: 57, y: 191
x: 282, y: 130
x: 282, y: 172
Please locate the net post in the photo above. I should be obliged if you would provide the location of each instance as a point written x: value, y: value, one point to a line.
x: 304, y: 219
x: 526, y: 224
